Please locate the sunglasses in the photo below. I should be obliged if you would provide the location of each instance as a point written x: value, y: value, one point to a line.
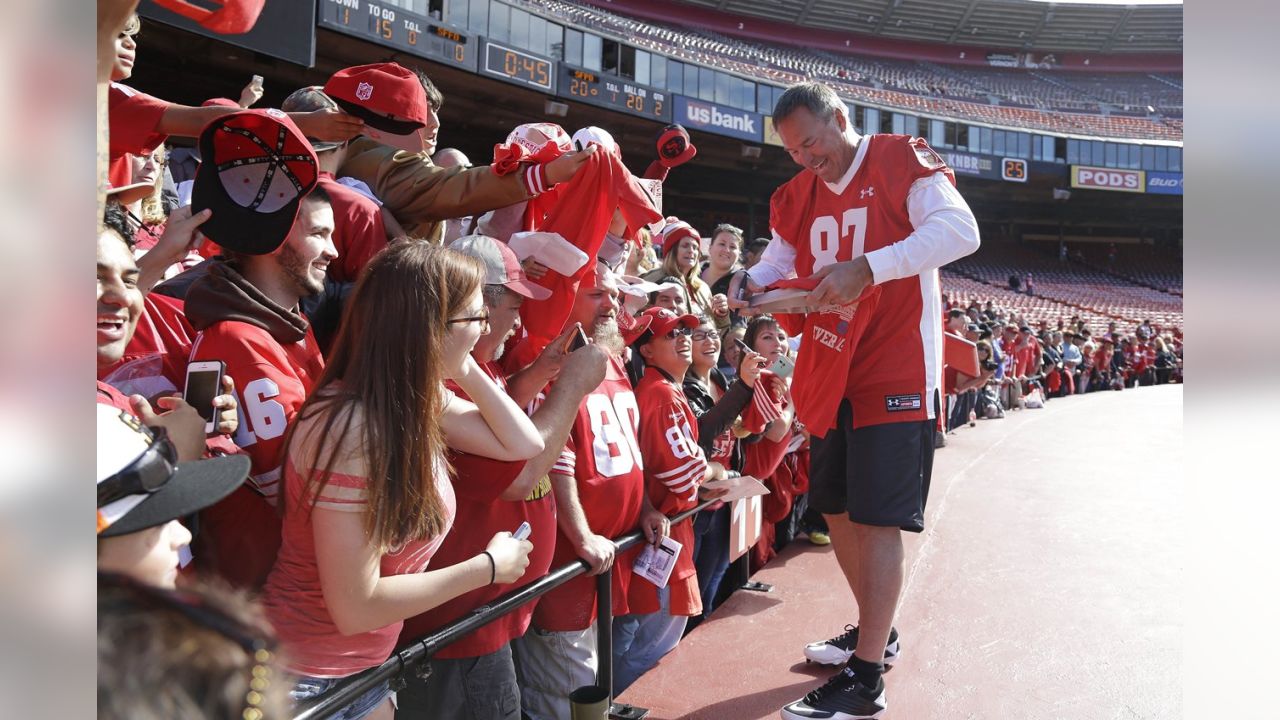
x: 145, y: 475
x: 678, y: 331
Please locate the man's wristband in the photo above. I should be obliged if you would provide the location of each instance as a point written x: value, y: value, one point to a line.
x: 535, y: 179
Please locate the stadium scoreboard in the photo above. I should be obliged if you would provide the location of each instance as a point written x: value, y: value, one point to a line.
x: 614, y: 93
x: 402, y: 30
x: 518, y: 66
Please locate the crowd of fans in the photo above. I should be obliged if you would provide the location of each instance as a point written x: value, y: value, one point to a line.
x: 405, y: 376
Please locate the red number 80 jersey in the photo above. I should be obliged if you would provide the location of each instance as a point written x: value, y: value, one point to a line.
x: 603, y: 455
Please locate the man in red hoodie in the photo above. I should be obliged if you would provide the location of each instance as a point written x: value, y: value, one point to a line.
x: 245, y: 310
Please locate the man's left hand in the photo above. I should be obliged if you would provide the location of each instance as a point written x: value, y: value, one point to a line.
x: 655, y: 525
x: 841, y: 283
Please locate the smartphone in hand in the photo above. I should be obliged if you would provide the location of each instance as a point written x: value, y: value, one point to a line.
x: 204, y: 378
x: 579, y: 340
x: 522, y: 532
x: 783, y: 366
x: 745, y: 348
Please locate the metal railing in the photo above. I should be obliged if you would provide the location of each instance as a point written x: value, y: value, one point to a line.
x: 422, y: 649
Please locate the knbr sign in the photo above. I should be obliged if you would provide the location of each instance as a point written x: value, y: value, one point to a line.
x: 1096, y: 178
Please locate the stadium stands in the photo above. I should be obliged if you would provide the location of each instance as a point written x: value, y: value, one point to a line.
x: 1066, y: 289
x: 1105, y: 105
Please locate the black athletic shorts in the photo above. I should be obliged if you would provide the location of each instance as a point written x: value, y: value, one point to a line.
x: 879, y: 474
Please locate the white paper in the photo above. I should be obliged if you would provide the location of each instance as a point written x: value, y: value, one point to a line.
x: 743, y: 486
x: 550, y: 249
x: 656, y: 562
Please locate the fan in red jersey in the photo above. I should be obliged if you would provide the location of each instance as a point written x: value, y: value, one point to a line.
x: 476, y: 672
x: 876, y: 210
x: 675, y: 467
x: 599, y: 487
x: 245, y: 309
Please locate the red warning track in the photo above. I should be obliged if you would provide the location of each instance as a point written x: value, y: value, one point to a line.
x: 1046, y: 585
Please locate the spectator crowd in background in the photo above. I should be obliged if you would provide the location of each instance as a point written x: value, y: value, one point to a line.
x: 407, y: 371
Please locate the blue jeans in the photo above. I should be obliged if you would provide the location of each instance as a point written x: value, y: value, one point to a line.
x: 640, y: 641
x: 310, y: 687
x: 711, y: 552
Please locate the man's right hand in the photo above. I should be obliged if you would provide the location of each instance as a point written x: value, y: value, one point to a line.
x: 598, y: 551
x: 181, y: 422
x: 584, y: 369
x: 328, y: 124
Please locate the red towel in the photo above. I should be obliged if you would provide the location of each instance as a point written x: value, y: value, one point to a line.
x: 582, y: 216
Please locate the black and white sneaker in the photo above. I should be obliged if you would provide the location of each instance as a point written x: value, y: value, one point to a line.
x: 842, y: 697
x: 839, y: 649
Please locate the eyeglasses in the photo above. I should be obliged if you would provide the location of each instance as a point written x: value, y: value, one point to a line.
x: 701, y: 335
x: 477, y: 318
x: 145, y: 475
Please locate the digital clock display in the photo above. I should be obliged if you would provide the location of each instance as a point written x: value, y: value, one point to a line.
x: 400, y: 29
x: 519, y: 67
x: 615, y: 93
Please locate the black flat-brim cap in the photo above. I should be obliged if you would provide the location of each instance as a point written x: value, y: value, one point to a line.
x: 256, y: 166
x: 194, y: 486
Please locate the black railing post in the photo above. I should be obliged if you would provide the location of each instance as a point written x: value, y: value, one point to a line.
x: 604, y: 630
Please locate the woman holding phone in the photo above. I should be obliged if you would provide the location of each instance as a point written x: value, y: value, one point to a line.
x: 717, y: 402
x: 367, y: 497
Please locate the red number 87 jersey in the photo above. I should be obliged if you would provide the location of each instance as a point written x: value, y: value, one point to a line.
x: 897, y: 364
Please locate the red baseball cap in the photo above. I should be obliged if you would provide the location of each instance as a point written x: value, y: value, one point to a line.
x: 674, y: 147
x: 663, y: 321
x: 501, y: 266
x: 387, y: 96
x: 256, y: 167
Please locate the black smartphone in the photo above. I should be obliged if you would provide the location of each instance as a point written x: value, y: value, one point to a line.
x: 579, y: 340
x: 204, y: 378
x: 742, y: 345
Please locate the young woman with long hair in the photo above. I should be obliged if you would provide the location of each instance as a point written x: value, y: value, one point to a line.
x: 367, y: 498
x: 681, y: 260
x: 717, y: 402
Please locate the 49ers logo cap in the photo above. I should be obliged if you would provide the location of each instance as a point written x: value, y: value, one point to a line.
x: 256, y: 168
x: 387, y: 96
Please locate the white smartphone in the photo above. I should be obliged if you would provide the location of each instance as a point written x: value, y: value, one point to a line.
x: 204, y: 378
x: 522, y: 532
x: 783, y: 367
x: 256, y: 81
